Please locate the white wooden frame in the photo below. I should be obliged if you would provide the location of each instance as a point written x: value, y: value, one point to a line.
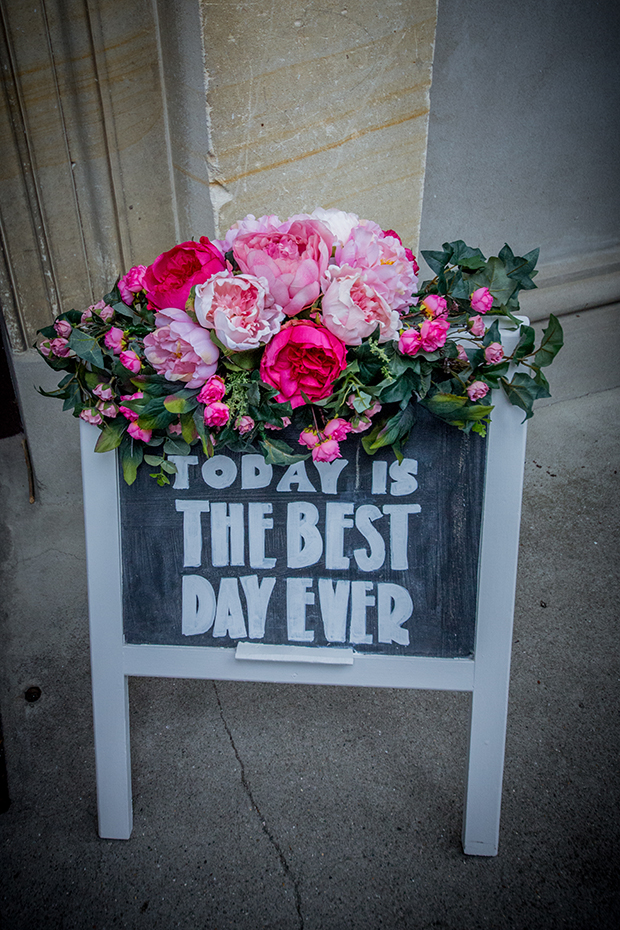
x: 486, y: 675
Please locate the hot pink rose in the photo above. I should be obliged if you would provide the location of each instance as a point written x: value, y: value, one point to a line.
x: 353, y: 306
x: 494, y: 353
x: 217, y: 414
x: 309, y: 437
x: 434, y: 306
x: 476, y: 326
x: 477, y: 390
x: 244, y: 424
x: 213, y: 389
x: 410, y: 342
x: 433, y: 334
x: 239, y: 308
x: 303, y: 356
x: 326, y: 451
x: 337, y: 429
x: 169, y: 279
x: 131, y: 283
x: 293, y: 257
x: 130, y: 360
x: 63, y: 328
x: 114, y: 339
x: 136, y: 432
x: 180, y: 350
x: 127, y: 412
x: 90, y: 415
x: 481, y: 300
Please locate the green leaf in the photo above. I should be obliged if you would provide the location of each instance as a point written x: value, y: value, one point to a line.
x: 176, y: 446
x: 526, y: 342
x: 400, y: 390
x: 396, y: 428
x: 522, y: 391
x: 492, y: 334
x: 131, y: 454
x: 177, y: 403
x: 552, y: 342
x: 445, y: 405
x: 436, y: 261
x: 86, y: 348
x: 153, y: 459
x: 111, y: 435
x: 278, y: 452
x: 464, y: 255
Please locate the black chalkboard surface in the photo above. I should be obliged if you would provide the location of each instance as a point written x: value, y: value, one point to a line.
x: 360, y: 552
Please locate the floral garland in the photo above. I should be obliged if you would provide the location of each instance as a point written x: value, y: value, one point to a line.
x: 316, y: 323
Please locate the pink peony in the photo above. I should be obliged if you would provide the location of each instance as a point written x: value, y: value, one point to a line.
x: 249, y: 224
x: 337, y: 429
x: 170, y: 278
x: 368, y: 249
x: 103, y: 391
x: 481, y: 300
x: 130, y: 360
x: 115, y: 339
x: 477, y: 390
x: 136, y: 432
x: 339, y: 223
x: 326, y: 451
x: 239, y: 308
x: 217, y: 414
x: 63, y: 328
x: 179, y: 349
x: 244, y: 424
x: 293, y: 257
x: 90, y: 415
x: 303, y: 356
x: 353, y: 306
x: 494, y: 353
x: 309, y: 437
x: 408, y: 252
x: 127, y: 412
x: 213, y: 389
x: 476, y: 326
x: 131, y: 283
x: 434, y: 306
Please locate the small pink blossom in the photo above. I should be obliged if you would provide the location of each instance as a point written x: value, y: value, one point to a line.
x: 337, y: 429
x: 371, y: 411
x: 136, y: 432
x: 360, y: 424
x: 130, y: 360
x: 434, y: 306
x: 286, y: 421
x: 127, y: 412
x: 410, y: 342
x: 309, y: 437
x: 244, y: 425
x: 175, y: 429
x: 477, y: 390
x: 115, y: 339
x: 90, y: 415
x: 476, y: 326
x: 326, y: 451
x: 494, y: 353
x: 103, y: 391
x: 481, y: 300
x: 217, y: 414
x: 107, y: 409
x: 60, y: 347
x: 104, y: 310
x: 131, y: 283
x: 46, y: 348
x: 180, y: 349
x: 63, y: 328
x: 213, y: 389
x: 462, y: 356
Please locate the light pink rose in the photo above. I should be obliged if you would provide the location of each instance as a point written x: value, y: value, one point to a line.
x: 103, y: 391
x: 476, y: 326
x: 130, y: 360
x: 481, y: 300
x: 337, y: 429
x: 462, y: 356
x: 115, y: 339
x: 410, y: 342
x: 217, y: 414
x: 303, y: 356
x: 60, y: 347
x: 126, y: 411
x: 131, y: 283
x: 107, y: 409
x: 353, y: 307
x: 293, y: 257
x: 309, y: 437
x: 326, y: 451
x: 434, y: 306
x: 494, y: 353
x: 244, y: 424
x: 63, y: 328
x: 136, y: 432
x: 367, y: 249
x: 90, y: 415
x: 239, y: 308
x: 477, y: 390
x: 213, y: 389
x: 180, y: 349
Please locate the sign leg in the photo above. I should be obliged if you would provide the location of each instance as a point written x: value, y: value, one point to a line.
x: 112, y: 753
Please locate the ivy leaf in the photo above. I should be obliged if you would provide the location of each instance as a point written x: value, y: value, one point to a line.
x: 131, y: 454
x: 522, y: 391
x: 86, y: 348
x: 396, y: 428
x: 111, y: 435
x: 154, y: 460
x: 552, y: 342
x: 400, y: 390
x: 526, y: 343
x: 436, y: 261
x: 492, y: 334
x: 464, y: 255
x: 278, y: 452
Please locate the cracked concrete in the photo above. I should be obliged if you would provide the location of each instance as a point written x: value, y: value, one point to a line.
x: 278, y: 806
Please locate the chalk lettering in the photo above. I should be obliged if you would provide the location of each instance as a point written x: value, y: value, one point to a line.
x: 298, y: 597
x: 192, y: 530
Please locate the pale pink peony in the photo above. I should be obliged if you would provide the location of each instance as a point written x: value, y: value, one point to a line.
x: 367, y: 249
x: 90, y: 415
x: 476, y: 326
x: 353, y: 307
x: 434, y: 306
x: 249, y: 224
x: 130, y: 360
x: 481, y: 300
x: 309, y: 437
x: 337, y: 429
x: 136, y: 432
x: 244, y: 424
x: 131, y: 283
x: 494, y: 353
x: 180, y: 349
x: 213, y: 389
x: 339, y: 223
x: 217, y: 414
x: 115, y: 339
x: 477, y: 390
x: 239, y: 308
x: 326, y: 451
x: 293, y: 257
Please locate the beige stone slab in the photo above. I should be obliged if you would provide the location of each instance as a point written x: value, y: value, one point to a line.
x: 319, y: 104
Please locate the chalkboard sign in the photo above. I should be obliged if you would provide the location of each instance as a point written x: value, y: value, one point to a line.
x: 364, y: 551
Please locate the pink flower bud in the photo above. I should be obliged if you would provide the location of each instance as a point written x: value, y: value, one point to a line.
x: 360, y: 424
x: 434, y: 306
x: 103, y: 391
x: 108, y: 410
x: 130, y: 360
x: 494, y: 353
x: 115, y: 339
x: 477, y: 390
x: 126, y: 411
x: 286, y: 421
x: 337, y: 429
x: 217, y: 414
x: 309, y: 438
x: 90, y: 415
x: 244, y: 424
x: 326, y: 451
x: 136, y: 432
x: 63, y: 328
x: 481, y: 300
x: 60, y: 347
x: 476, y: 326
x: 462, y: 354
x: 409, y: 342
x: 213, y: 389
